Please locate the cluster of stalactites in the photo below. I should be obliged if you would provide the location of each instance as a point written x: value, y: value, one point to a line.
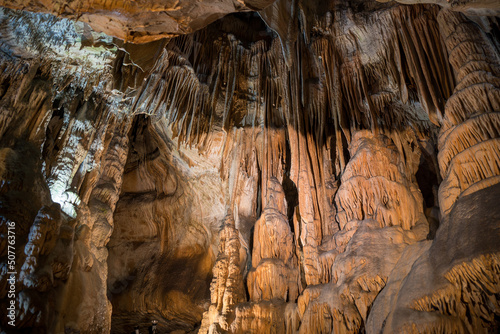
x: 205, y: 81
x: 201, y: 86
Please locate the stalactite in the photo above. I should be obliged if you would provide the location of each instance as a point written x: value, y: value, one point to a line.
x: 306, y: 107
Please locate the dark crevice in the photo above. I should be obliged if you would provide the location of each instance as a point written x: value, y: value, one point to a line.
x: 289, y: 188
x: 427, y: 179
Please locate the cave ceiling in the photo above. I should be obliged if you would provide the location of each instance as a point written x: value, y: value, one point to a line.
x: 257, y: 166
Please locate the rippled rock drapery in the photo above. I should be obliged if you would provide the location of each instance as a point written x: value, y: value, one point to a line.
x: 326, y: 166
x: 377, y: 222
x: 453, y: 284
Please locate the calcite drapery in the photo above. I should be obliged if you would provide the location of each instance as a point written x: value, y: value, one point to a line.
x: 452, y: 284
x: 469, y: 157
x: 374, y: 232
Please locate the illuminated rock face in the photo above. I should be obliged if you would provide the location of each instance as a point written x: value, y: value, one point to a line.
x: 316, y: 167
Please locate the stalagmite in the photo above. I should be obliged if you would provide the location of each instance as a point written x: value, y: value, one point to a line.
x: 226, y: 288
x: 274, y: 271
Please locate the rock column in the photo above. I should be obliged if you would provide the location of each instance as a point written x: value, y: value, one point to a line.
x: 86, y: 305
x: 274, y: 273
x: 469, y: 143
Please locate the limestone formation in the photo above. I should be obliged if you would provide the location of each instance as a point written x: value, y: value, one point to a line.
x: 453, y: 283
x: 469, y: 135
x: 274, y: 273
x: 283, y: 166
x: 374, y: 231
x: 226, y: 289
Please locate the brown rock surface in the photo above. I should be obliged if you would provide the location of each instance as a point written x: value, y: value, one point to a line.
x: 140, y: 21
x: 315, y: 167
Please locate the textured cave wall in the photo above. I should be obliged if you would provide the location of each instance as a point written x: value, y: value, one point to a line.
x: 315, y: 167
x: 162, y: 249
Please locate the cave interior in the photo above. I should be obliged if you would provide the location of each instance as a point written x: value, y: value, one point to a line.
x: 250, y: 166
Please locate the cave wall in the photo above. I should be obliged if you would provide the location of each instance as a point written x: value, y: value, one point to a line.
x: 314, y: 167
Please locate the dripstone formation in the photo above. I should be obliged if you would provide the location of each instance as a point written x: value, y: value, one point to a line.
x: 285, y: 166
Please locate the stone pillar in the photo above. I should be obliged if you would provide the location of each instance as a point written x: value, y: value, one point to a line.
x: 469, y: 143
x: 274, y: 273
x: 85, y: 306
x: 226, y: 289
